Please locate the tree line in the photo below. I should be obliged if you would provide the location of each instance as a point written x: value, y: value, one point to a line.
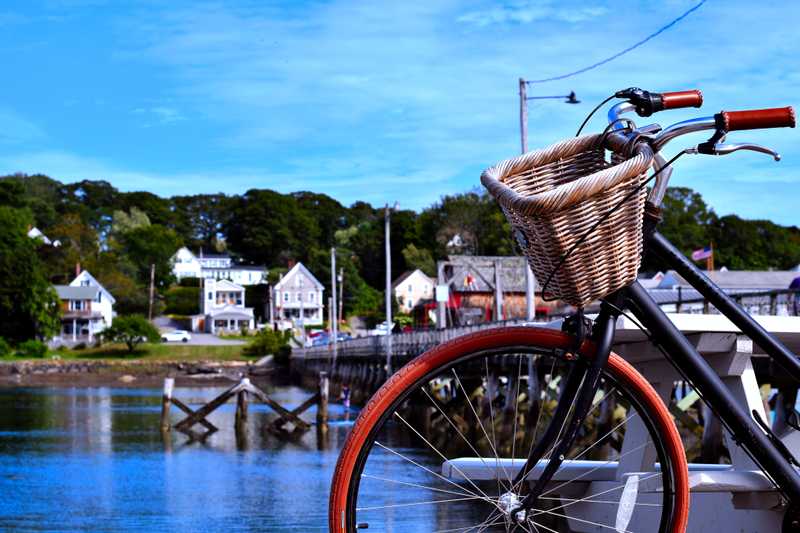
x: 117, y: 235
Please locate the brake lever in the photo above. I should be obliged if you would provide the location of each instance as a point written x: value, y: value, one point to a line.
x: 729, y: 148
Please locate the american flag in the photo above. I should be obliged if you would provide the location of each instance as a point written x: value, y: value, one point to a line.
x: 702, y: 253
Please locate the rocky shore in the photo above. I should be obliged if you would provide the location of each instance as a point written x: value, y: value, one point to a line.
x: 135, y: 373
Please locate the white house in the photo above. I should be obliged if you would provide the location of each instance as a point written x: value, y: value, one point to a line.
x: 185, y: 264
x: 223, y: 307
x: 36, y: 233
x: 411, y: 288
x: 299, y: 294
x: 87, y: 308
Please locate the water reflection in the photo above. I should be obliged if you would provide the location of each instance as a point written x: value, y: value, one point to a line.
x: 77, y: 459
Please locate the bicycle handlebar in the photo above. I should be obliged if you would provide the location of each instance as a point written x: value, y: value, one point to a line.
x: 645, y: 103
x: 777, y: 117
x: 679, y: 99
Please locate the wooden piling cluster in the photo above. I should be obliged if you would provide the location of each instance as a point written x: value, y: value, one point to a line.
x: 243, y: 392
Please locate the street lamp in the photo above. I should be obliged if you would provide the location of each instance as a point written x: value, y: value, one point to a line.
x: 523, y: 108
x: 388, y: 212
x: 523, y: 130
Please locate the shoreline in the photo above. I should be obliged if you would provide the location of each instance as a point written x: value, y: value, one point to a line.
x: 133, y: 373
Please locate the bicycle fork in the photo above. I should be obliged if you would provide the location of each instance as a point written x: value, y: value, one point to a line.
x: 581, y: 386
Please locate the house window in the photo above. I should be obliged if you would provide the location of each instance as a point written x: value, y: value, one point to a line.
x: 311, y: 297
x: 238, y: 298
x: 77, y: 305
x: 410, y: 288
x: 285, y: 296
x: 210, y: 296
x: 298, y: 297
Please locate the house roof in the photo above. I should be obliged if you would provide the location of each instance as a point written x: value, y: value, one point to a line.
x: 85, y: 275
x: 737, y: 279
x: 299, y: 267
x: 237, y: 267
x: 224, y: 284
x: 67, y: 292
x: 480, y: 269
x: 231, y: 312
x: 407, y: 274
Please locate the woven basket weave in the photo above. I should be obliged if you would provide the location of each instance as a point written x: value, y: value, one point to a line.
x: 554, y: 195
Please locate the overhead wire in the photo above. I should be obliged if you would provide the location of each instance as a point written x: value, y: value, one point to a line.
x: 622, y: 52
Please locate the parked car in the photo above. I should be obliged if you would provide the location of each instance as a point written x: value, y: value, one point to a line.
x: 177, y: 335
x: 380, y: 329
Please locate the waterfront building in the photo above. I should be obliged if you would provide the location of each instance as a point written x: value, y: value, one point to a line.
x: 298, y: 298
x: 87, y: 308
x: 412, y: 288
x: 223, y: 308
x: 186, y: 264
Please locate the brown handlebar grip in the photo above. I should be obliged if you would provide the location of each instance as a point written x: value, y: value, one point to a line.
x: 676, y: 100
x: 777, y: 117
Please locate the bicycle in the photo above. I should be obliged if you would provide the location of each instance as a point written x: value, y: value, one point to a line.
x: 523, y: 428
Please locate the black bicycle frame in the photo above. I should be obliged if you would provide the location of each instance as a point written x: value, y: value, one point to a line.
x: 745, y: 431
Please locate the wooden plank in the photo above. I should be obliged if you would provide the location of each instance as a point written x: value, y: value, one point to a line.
x: 302, y: 408
x: 207, y: 409
x: 285, y: 413
x: 189, y: 411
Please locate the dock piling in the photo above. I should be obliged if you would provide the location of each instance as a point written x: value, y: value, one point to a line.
x: 322, y: 405
x: 166, y: 400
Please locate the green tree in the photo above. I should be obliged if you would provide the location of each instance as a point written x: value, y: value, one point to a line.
x: 124, y: 222
x: 131, y: 330
x: 183, y: 300
x: 270, y: 228
x: 268, y: 342
x: 420, y: 258
x: 151, y: 245
x: 29, y: 306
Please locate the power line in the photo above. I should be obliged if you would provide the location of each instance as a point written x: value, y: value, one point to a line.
x: 623, y: 52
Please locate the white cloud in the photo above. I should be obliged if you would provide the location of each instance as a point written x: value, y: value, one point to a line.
x: 529, y: 11
x: 161, y: 114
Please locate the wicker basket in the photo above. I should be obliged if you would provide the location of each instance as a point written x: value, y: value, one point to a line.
x: 554, y: 195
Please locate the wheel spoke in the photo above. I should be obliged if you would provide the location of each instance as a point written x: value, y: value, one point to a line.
x: 417, y: 485
x: 516, y: 411
x: 478, y: 455
x: 584, y: 521
x: 435, y: 449
x: 464, y: 392
x: 601, y: 465
x: 424, y: 468
x: 411, y: 504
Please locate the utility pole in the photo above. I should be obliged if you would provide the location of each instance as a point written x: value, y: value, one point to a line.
x: 302, y: 309
x: 530, y: 279
x: 332, y: 305
x: 388, y: 291
x: 523, y: 114
x: 441, y: 309
x: 340, y: 315
x: 152, y: 291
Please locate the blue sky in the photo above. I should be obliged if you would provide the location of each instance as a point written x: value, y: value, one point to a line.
x: 377, y: 101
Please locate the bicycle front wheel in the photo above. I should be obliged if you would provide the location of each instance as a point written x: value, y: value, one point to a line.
x: 438, y: 446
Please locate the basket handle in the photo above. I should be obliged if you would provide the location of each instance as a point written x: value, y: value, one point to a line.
x: 565, y: 195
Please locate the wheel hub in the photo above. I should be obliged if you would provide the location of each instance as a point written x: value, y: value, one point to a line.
x: 508, y: 502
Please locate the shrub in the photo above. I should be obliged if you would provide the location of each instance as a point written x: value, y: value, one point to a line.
x: 79, y: 346
x: 182, y: 301
x: 268, y: 341
x: 131, y: 330
x: 32, y: 348
x: 5, y: 348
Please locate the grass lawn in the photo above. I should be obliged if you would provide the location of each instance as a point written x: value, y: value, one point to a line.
x: 150, y: 352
